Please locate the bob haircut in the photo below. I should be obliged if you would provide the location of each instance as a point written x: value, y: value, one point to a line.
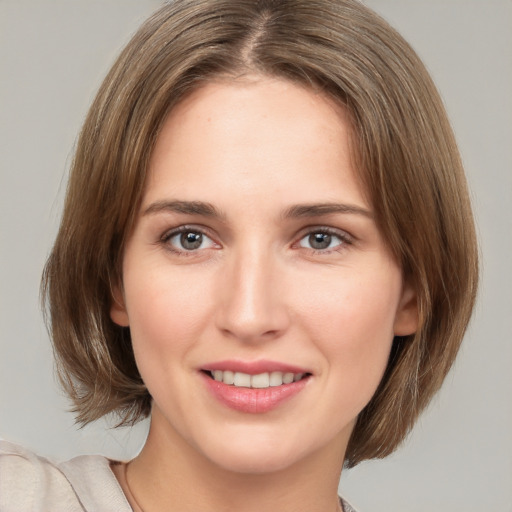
x: 406, y: 157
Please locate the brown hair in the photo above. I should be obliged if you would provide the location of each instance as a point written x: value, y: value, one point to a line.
x: 407, y: 159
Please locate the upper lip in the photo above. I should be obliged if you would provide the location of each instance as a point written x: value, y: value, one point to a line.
x: 253, y: 367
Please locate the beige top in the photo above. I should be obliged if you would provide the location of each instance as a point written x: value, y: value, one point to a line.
x: 83, y: 484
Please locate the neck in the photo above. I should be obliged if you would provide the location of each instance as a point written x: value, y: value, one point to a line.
x: 171, y: 475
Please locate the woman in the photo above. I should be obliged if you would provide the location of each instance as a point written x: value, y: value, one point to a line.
x: 267, y: 245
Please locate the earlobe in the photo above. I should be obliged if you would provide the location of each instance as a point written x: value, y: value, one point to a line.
x: 118, y: 312
x: 407, y: 319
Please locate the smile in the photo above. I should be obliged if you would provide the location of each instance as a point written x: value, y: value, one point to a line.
x: 259, y: 381
x: 254, y: 387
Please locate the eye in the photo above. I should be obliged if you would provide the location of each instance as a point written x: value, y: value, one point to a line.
x: 186, y: 239
x: 324, y: 240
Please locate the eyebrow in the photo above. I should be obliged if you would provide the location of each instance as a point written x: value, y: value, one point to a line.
x: 295, y: 211
x: 318, y: 210
x: 186, y: 207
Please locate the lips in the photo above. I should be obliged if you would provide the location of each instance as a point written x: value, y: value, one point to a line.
x: 254, y: 387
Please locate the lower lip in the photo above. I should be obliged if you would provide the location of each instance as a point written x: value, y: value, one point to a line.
x: 253, y: 400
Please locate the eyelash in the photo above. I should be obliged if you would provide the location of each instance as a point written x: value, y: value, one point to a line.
x: 344, y: 239
x: 186, y: 229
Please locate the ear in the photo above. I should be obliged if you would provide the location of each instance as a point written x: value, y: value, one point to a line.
x: 406, y: 319
x: 118, y: 312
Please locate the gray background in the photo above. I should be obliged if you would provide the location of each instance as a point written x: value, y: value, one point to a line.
x: 53, y: 55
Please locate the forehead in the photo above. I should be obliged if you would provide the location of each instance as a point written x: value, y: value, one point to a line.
x: 255, y: 136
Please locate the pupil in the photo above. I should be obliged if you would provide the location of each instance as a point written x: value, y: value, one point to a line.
x: 191, y: 240
x: 320, y: 240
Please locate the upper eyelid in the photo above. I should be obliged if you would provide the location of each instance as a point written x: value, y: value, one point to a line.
x: 168, y: 233
x: 217, y: 231
x: 342, y: 233
x: 173, y: 248
x: 346, y: 240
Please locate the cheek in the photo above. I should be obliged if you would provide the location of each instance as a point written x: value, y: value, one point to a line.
x: 165, y: 309
x: 167, y: 314
x: 351, y: 320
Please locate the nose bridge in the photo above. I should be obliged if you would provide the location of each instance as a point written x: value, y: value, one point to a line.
x: 252, y: 307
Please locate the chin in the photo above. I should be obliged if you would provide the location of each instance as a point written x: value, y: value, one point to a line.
x: 254, y: 462
x: 260, y: 454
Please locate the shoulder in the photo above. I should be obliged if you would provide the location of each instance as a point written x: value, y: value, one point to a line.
x: 30, y: 482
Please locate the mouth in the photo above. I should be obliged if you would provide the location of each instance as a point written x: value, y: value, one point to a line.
x: 254, y: 387
x: 258, y: 381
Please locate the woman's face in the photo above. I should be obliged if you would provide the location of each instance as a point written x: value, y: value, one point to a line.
x: 261, y: 297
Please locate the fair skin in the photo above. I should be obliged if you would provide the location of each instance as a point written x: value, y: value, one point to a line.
x: 255, y: 251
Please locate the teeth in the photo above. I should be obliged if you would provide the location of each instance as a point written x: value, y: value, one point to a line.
x: 287, y: 378
x: 242, y: 380
x: 276, y: 379
x: 228, y: 377
x: 260, y: 381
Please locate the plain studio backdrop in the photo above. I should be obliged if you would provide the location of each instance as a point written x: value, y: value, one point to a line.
x: 53, y: 56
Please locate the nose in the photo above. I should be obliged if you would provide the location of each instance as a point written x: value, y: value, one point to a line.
x: 252, y: 307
